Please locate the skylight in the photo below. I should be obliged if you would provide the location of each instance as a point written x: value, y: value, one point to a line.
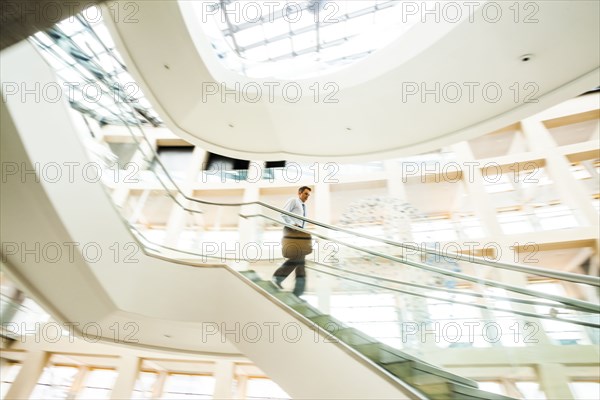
x: 296, y: 39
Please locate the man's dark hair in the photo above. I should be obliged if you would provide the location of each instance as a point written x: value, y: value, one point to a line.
x: 303, y: 188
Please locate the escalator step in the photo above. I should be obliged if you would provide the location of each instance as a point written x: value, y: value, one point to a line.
x: 352, y: 336
x: 465, y: 392
x: 251, y: 274
x: 268, y: 286
x: 306, y: 310
x: 377, y: 353
x: 420, y: 370
x: 433, y: 381
x: 328, y: 323
x: 288, y: 298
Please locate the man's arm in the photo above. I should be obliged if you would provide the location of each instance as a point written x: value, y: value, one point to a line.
x: 289, y: 206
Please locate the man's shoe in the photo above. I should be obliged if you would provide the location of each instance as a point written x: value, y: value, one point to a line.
x: 276, y: 282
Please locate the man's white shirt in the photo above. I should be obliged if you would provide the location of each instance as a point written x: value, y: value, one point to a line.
x: 294, y: 205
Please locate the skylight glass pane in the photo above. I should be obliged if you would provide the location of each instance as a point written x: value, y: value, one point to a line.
x: 355, y: 26
x: 60, y: 53
x: 348, y: 31
x: 44, y: 39
x: 258, y: 54
x: 303, y: 21
x: 104, y: 36
x: 85, y: 74
x: 250, y: 36
x: 305, y: 41
x: 279, y: 48
x: 87, y: 44
x: 388, y: 16
x: 277, y: 27
x: 72, y: 78
x: 107, y: 62
x: 70, y: 27
x: 333, y: 32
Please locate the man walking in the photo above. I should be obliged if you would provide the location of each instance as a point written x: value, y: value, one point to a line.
x: 296, y: 206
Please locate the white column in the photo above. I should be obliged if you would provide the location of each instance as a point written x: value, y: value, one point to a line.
x: 554, y: 382
x: 224, y: 370
x: 178, y: 216
x: 250, y: 230
x: 321, y: 198
x: 475, y: 189
x: 325, y: 250
x: 397, y: 189
x: 137, y: 211
x: 242, y: 384
x: 596, y: 134
x: 159, y: 384
x: 247, y: 227
x: 139, y: 160
x: 322, y: 203
x: 571, y: 192
x: 128, y: 371
x: 78, y: 382
x: 29, y: 375
x: 323, y: 284
x: 395, y: 183
x: 4, y: 367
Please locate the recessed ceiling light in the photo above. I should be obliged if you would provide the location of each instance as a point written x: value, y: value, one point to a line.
x: 526, y: 57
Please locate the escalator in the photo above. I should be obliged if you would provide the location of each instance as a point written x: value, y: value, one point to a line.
x: 432, y: 381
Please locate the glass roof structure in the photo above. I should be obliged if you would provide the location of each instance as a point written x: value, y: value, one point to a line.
x: 92, y: 74
x: 297, y: 39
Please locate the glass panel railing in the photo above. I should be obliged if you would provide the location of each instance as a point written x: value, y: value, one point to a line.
x: 395, y: 313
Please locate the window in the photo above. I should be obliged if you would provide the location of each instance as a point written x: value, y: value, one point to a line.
x: 374, y: 314
x: 530, y: 390
x: 555, y: 217
x: 514, y: 222
x: 55, y: 382
x: 585, y: 390
x: 562, y: 333
x: 290, y: 40
x: 144, y: 385
x: 471, y: 227
x: 220, y: 168
x: 260, y: 388
x: 9, y: 374
x: 433, y: 231
x: 495, y: 184
x: 175, y: 159
x: 180, y: 386
x: 98, y: 384
x: 492, y: 387
x: 453, y: 325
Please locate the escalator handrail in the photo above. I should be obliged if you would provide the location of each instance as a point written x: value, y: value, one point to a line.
x: 580, y: 304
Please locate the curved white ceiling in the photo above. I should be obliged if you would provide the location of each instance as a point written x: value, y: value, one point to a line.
x: 438, y: 83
